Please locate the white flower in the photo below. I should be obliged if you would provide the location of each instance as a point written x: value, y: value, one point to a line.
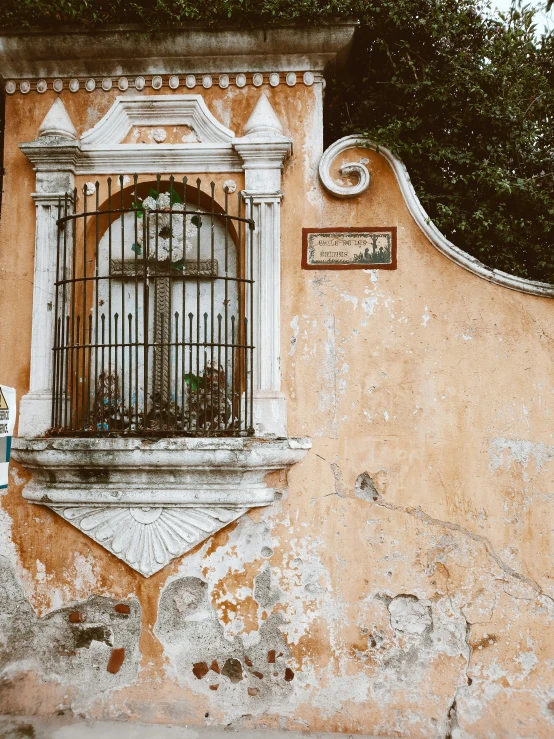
x: 159, y: 135
x: 168, y: 236
x: 164, y: 201
x: 149, y: 203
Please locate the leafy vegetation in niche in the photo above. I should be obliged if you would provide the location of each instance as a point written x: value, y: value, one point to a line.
x: 465, y: 97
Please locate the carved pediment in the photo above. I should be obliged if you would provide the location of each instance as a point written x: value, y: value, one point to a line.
x: 157, y: 113
x: 147, y: 134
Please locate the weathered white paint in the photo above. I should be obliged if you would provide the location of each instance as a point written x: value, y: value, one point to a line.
x: 163, y: 110
x: 100, y: 150
x: 75, y: 729
x: 57, y: 122
x: 260, y: 152
x: 127, y: 480
x: 52, y: 184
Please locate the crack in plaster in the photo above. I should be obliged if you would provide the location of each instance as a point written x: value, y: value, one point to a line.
x: 452, y: 712
x: 366, y: 490
x: 426, y: 518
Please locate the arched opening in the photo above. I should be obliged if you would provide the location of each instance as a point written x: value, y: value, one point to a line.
x: 153, y: 312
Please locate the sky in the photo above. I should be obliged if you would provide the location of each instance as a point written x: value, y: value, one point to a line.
x: 544, y: 18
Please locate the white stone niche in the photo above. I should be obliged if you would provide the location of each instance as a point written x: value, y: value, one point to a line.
x: 150, y: 500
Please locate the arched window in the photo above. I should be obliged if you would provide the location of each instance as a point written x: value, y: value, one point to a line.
x: 153, y: 306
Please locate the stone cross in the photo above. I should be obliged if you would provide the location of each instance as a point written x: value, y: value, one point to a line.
x: 163, y: 273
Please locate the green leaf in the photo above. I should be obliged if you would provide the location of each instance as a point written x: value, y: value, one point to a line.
x: 178, y: 266
x: 193, y: 381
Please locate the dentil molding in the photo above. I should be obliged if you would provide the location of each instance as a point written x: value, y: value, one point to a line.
x: 439, y: 241
x: 171, y: 82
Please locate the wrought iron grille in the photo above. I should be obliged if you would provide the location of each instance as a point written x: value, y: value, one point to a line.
x: 154, y: 304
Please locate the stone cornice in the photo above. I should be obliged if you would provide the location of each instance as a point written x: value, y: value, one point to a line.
x: 52, y: 154
x: 129, y: 51
x: 265, y: 153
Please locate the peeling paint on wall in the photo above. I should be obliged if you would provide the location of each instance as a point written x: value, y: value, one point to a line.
x: 403, y: 582
x: 71, y: 647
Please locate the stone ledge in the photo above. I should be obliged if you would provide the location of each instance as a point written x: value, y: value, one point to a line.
x: 142, y: 471
x: 192, y: 49
x: 150, y: 500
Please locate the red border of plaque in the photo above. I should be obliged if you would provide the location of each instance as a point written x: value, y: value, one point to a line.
x: 363, y: 260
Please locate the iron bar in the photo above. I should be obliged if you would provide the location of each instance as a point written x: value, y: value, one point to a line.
x: 159, y: 341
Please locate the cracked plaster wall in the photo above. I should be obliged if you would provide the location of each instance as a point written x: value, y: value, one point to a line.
x: 401, y: 585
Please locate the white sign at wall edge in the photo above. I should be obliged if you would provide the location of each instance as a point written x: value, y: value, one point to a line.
x: 7, y: 423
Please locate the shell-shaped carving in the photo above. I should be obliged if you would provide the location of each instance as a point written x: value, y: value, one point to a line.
x: 354, y: 168
x: 147, y: 538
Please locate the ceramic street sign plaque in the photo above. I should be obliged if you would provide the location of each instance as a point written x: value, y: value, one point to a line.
x: 349, y: 248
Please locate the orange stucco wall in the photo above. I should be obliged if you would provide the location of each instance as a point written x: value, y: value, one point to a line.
x: 390, y: 602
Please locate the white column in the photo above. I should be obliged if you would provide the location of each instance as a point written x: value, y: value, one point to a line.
x: 270, y: 412
x: 53, y: 154
x: 263, y: 150
x: 36, y: 406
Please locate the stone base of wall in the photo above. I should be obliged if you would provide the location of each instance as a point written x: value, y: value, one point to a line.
x: 18, y: 727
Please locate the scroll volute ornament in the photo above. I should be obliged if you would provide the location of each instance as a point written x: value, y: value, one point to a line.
x: 357, y: 169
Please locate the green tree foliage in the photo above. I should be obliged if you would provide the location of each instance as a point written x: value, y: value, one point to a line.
x: 156, y: 13
x: 467, y: 101
x: 464, y: 97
